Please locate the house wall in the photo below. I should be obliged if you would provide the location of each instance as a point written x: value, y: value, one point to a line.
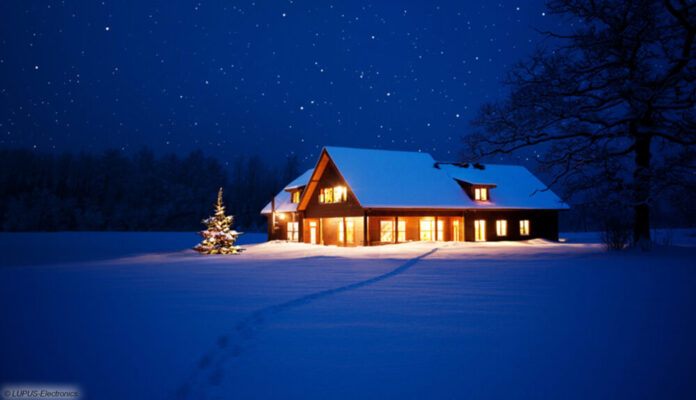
x: 281, y: 230
x: 328, y: 231
x: 542, y: 224
x: 413, y: 224
x: 332, y: 178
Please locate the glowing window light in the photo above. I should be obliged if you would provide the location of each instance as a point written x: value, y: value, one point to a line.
x: 427, y: 229
x: 333, y: 195
x: 296, y: 196
x: 480, y: 230
x: 386, y: 231
x: 455, y: 230
x: 293, y: 231
x: 401, y: 231
x: 524, y: 227
x: 481, y: 194
x: 350, y: 231
x: 501, y: 227
x: 328, y: 195
x: 340, y: 193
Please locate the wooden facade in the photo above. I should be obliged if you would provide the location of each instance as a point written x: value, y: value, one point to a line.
x: 444, y: 225
x: 348, y: 223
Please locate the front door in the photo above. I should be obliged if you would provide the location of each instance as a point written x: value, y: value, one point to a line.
x: 313, y: 232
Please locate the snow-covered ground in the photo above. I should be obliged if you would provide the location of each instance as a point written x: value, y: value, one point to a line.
x: 136, y: 315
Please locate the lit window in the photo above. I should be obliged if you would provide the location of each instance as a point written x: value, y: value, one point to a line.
x: 427, y: 229
x: 347, y: 231
x: 326, y: 195
x: 455, y: 230
x: 524, y: 227
x: 340, y: 194
x: 481, y: 194
x: 386, y: 229
x: 296, y: 196
x: 293, y: 231
x: 313, y: 232
x: 440, y: 230
x: 350, y: 231
x: 333, y: 195
x: 501, y: 227
x: 480, y: 230
x: 401, y: 236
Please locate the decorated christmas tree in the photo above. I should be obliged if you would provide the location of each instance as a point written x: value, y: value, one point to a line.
x: 219, y: 238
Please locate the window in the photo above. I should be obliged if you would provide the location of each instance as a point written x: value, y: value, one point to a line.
x: 333, y: 195
x: 401, y: 234
x: 481, y: 194
x: 350, y: 231
x: 427, y: 228
x: 340, y: 194
x: 326, y: 195
x: 455, y: 230
x: 440, y: 230
x: 386, y: 229
x: 293, y: 231
x: 524, y: 227
x: 501, y: 227
x: 347, y: 231
x: 313, y: 232
x: 480, y: 230
x: 296, y: 196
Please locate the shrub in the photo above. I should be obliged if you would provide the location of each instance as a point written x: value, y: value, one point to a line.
x: 616, y: 233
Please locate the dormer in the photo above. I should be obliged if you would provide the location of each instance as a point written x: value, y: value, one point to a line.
x: 479, y: 192
x: 295, y: 193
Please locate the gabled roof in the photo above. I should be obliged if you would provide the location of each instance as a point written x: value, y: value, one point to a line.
x: 400, y: 179
x: 283, y: 200
x: 396, y: 179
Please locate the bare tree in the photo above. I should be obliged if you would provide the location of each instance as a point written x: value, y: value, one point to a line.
x: 613, y: 97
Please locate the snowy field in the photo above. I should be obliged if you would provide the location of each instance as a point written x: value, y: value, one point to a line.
x: 137, y: 315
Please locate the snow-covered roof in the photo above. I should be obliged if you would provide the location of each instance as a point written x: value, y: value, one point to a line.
x: 283, y: 200
x: 386, y: 178
x: 300, y: 180
x: 516, y: 187
x: 400, y: 179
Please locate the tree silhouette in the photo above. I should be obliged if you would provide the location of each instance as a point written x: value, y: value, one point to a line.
x: 610, y: 102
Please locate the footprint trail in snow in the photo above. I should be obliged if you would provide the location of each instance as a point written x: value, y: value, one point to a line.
x: 210, y: 368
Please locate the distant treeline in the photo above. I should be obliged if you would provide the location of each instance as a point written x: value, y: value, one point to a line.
x: 112, y: 191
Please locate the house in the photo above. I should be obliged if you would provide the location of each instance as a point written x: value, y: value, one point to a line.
x: 359, y: 197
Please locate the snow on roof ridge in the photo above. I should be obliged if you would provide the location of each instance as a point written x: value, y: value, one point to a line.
x: 300, y: 180
x: 402, y: 179
x: 327, y: 148
x: 283, y: 199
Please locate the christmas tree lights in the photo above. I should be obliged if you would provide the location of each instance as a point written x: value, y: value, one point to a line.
x: 219, y: 238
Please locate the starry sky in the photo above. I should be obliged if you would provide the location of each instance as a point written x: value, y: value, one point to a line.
x: 272, y: 78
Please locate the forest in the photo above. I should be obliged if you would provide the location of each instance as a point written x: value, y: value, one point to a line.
x: 139, y: 192
x: 144, y: 192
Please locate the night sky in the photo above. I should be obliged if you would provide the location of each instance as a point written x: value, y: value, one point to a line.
x: 255, y: 77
